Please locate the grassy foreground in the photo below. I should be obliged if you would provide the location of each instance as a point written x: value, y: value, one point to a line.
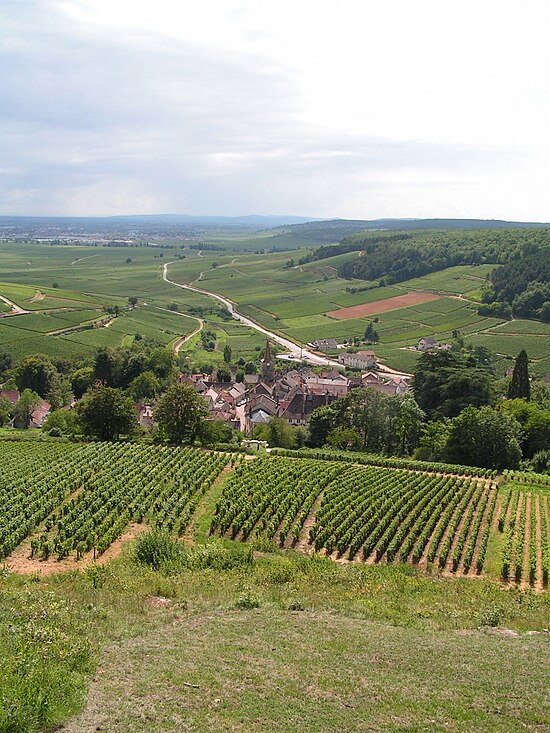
x: 227, y: 641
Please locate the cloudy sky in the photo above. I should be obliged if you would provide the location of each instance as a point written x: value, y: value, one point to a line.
x: 361, y: 108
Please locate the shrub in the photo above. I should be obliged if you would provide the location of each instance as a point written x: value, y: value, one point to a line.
x: 248, y: 599
x: 157, y: 548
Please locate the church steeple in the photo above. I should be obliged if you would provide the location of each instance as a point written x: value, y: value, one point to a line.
x: 267, y: 372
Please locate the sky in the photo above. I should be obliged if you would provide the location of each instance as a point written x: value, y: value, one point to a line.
x: 357, y: 109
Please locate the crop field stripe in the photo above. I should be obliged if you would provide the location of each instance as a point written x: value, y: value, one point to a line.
x: 111, y: 485
x: 468, y: 537
x: 522, y: 528
x: 487, y: 525
x: 545, y: 539
x: 381, y: 306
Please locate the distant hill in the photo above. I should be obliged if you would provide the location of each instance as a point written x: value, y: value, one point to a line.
x: 283, y: 231
x: 333, y: 230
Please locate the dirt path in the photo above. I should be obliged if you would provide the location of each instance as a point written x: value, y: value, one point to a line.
x: 183, y: 339
x: 447, y: 570
x: 303, y: 541
x: 515, y: 539
x: 483, y: 526
x: 16, y: 310
x: 21, y: 562
x: 206, y: 503
x: 88, y: 257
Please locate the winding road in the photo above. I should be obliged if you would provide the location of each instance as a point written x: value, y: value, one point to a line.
x: 182, y: 339
x: 295, y: 352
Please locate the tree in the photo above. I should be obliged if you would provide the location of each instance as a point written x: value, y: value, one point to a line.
x: 215, y: 431
x: 433, y: 441
x: 371, y: 336
x: 144, y: 386
x: 81, y: 381
x: 180, y: 413
x: 162, y: 362
x: 484, y: 437
x: 520, y: 385
x: 61, y: 422
x: 106, y: 413
x: 535, y: 422
x: 6, y: 361
x: 59, y: 393
x: 36, y: 373
x: 5, y: 411
x: 344, y: 438
x: 540, y: 393
x: 223, y: 373
x: 227, y: 354
x: 133, y: 300
x: 250, y: 367
x: 404, y: 424
x: 364, y: 412
x: 445, y: 382
x: 105, y: 366
x: 323, y: 420
x: 25, y: 406
x: 277, y: 433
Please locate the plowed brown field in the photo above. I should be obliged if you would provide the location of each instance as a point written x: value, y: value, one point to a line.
x: 379, y: 306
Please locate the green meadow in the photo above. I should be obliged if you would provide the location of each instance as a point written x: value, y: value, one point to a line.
x: 271, y: 288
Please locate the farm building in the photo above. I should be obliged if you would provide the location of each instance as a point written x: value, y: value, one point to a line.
x: 360, y: 360
x: 426, y: 343
x: 324, y: 344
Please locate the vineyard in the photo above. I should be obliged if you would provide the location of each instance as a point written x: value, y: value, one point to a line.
x: 73, y: 501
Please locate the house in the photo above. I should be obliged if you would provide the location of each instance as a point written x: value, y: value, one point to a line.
x: 360, y: 360
x: 145, y: 415
x: 259, y: 409
x: 324, y: 344
x: 331, y: 382
x: 297, y: 410
x: 426, y: 343
x: 38, y: 417
x: 389, y: 385
x: 12, y: 395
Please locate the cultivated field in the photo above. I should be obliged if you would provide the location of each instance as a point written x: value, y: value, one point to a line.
x: 301, y: 302
x: 65, y: 502
x: 381, y: 306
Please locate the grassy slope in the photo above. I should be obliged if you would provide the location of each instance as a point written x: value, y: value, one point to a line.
x: 375, y: 648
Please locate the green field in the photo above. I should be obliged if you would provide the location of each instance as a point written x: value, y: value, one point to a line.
x: 360, y: 513
x: 290, y: 300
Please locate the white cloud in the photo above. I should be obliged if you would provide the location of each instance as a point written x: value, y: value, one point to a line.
x: 363, y: 109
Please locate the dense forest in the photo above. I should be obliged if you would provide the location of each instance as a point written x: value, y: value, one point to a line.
x: 522, y: 284
x: 395, y: 257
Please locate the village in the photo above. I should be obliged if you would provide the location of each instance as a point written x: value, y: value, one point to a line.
x: 290, y: 393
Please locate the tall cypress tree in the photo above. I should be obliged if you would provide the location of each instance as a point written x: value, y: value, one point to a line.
x: 520, y: 385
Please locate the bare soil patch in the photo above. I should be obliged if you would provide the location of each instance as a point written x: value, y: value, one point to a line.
x: 21, y: 562
x: 379, y: 306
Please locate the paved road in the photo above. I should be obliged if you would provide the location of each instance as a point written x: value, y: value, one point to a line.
x: 295, y: 352
x: 16, y: 310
